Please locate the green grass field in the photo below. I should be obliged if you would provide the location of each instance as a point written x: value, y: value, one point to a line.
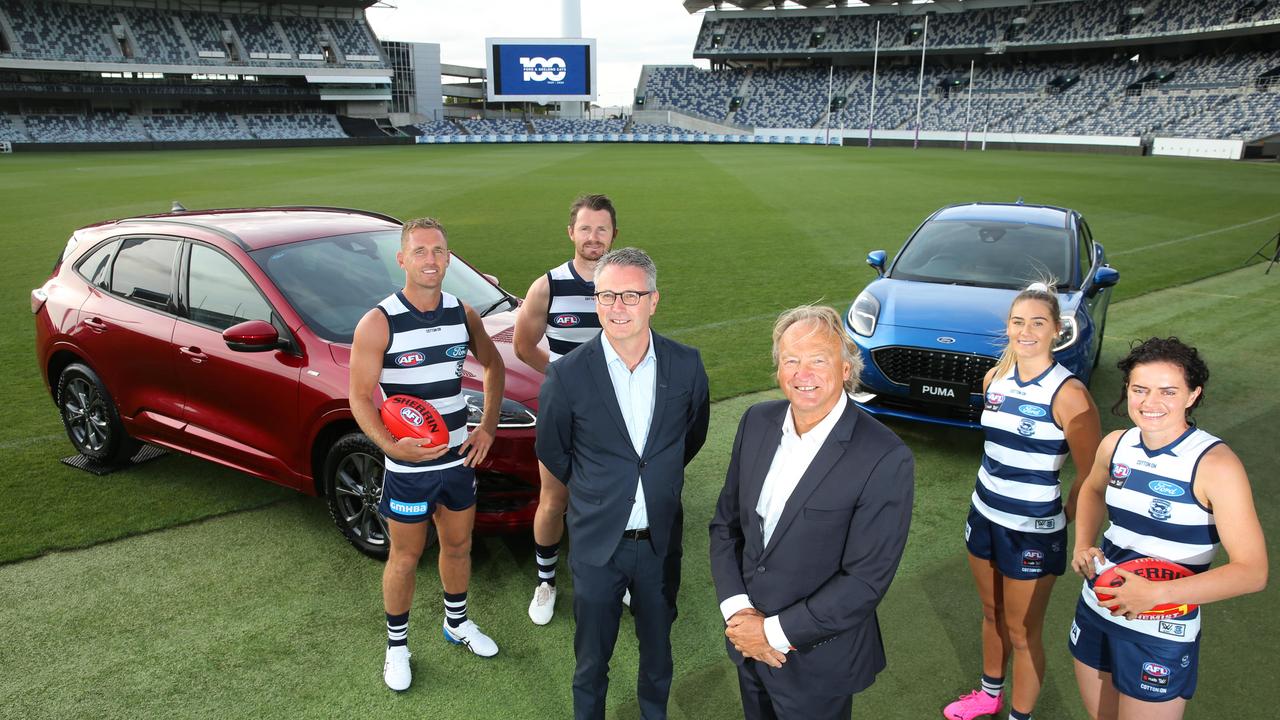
x: 182, y: 589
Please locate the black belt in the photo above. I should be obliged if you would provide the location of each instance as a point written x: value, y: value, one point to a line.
x: 639, y: 534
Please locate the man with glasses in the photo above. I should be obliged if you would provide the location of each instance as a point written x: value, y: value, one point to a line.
x: 561, y: 305
x: 618, y: 421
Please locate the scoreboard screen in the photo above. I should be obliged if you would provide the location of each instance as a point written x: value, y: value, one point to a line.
x: 542, y: 71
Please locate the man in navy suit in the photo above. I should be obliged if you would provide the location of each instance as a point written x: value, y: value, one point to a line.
x: 809, y: 530
x: 618, y: 419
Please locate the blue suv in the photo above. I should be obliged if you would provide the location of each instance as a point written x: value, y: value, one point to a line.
x: 933, y: 323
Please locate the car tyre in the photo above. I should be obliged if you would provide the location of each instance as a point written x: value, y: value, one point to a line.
x: 90, y: 417
x: 353, y: 486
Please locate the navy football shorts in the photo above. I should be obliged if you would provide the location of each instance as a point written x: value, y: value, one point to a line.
x: 413, y: 497
x: 1017, y: 555
x: 1153, y: 670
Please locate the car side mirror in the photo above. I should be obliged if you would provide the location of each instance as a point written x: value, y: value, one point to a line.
x: 252, y: 336
x: 876, y: 259
x: 1105, y: 277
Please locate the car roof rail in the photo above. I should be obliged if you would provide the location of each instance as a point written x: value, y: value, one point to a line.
x: 369, y: 213
x: 182, y: 223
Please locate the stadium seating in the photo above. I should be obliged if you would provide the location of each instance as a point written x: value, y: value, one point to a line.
x: 95, y: 127
x: 562, y: 125
x: 59, y: 30
x: 495, y: 127
x: 259, y: 35
x: 196, y: 127
x: 692, y: 90
x: 1015, y: 95
x: 1042, y: 23
x: 438, y: 127
x: 291, y: 126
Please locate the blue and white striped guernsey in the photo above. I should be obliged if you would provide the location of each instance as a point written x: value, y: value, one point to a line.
x: 424, y: 357
x: 571, y: 312
x: 1154, y: 513
x: 1018, y: 484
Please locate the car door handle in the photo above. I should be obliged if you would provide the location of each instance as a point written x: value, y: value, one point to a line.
x: 95, y: 324
x: 194, y: 353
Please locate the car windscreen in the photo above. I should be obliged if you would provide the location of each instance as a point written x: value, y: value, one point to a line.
x: 987, y: 254
x: 332, y: 282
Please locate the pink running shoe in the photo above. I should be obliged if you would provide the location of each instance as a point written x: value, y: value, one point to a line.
x: 975, y: 704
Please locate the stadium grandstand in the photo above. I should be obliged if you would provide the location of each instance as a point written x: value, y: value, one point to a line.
x: 85, y: 72
x: 1032, y: 72
x: 1107, y: 75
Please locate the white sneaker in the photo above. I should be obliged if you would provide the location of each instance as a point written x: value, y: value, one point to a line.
x: 626, y: 597
x: 395, y: 671
x: 543, y: 604
x: 468, y: 634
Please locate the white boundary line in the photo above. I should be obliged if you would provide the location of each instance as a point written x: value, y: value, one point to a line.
x: 1197, y: 236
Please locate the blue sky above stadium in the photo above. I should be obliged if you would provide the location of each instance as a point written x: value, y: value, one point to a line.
x: 628, y: 33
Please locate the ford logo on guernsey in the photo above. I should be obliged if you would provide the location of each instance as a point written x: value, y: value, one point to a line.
x: 567, y: 320
x: 457, y: 352
x: 411, y: 416
x: 1031, y: 410
x: 410, y: 359
x: 1166, y: 488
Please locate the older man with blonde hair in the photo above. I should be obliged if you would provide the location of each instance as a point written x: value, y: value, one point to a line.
x: 809, y: 530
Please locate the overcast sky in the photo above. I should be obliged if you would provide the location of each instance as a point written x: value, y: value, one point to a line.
x: 628, y: 33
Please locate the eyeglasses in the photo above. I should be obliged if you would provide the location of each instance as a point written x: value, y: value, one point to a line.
x: 629, y: 297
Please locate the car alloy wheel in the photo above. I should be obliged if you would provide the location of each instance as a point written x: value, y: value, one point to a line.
x: 90, y: 418
x: 353, y: 486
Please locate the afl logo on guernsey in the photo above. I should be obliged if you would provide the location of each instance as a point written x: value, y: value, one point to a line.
x: 1119, y: 474
x: 457, y: 352
x: 411, y: 359
x: 566, y: 321
x: 411, y: 416
x: 994, y: 399
x: 1166, y: 488
x: 1034, y: 411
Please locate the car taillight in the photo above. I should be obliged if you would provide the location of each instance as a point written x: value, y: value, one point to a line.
x: 38, y: 298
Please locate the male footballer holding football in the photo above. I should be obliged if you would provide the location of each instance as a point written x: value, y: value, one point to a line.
x: 414, y: 343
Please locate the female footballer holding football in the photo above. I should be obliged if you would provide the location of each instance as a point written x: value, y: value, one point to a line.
x: 1173, y: 492
x: 1035, y: 412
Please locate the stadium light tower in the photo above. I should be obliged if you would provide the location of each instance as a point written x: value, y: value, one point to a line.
x: 571, y: 27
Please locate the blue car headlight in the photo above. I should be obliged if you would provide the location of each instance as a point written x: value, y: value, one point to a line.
x: 1068, y: 335
x: 511, y: 415
x: 863, y: 314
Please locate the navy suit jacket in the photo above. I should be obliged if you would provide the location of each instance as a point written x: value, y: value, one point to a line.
x: 583, y: 440
x: 833, y: 552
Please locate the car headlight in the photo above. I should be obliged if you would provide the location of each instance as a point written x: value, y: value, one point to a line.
x: 863, y: 313
x: 510, y: 415
x: 1068, y: 335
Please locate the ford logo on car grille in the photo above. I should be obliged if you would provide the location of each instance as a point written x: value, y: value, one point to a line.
x: 946, y: 340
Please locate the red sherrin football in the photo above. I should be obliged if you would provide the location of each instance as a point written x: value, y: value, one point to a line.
x: 408, y: 416
x: 1153, y: 569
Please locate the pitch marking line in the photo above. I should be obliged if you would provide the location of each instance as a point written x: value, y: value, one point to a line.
x: 1197, y: 236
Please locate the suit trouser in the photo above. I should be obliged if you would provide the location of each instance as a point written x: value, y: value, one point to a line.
x: 597, y: 609
x: 767, y: 695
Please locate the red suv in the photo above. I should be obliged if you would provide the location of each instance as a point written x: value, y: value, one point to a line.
x: 226, y: 334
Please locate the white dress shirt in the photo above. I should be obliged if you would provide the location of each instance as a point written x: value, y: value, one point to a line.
x: 635, y: 391
x: 790, y: 461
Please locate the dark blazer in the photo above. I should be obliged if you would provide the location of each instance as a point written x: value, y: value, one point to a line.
x: 583, y: 440
x: 833, y: 553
